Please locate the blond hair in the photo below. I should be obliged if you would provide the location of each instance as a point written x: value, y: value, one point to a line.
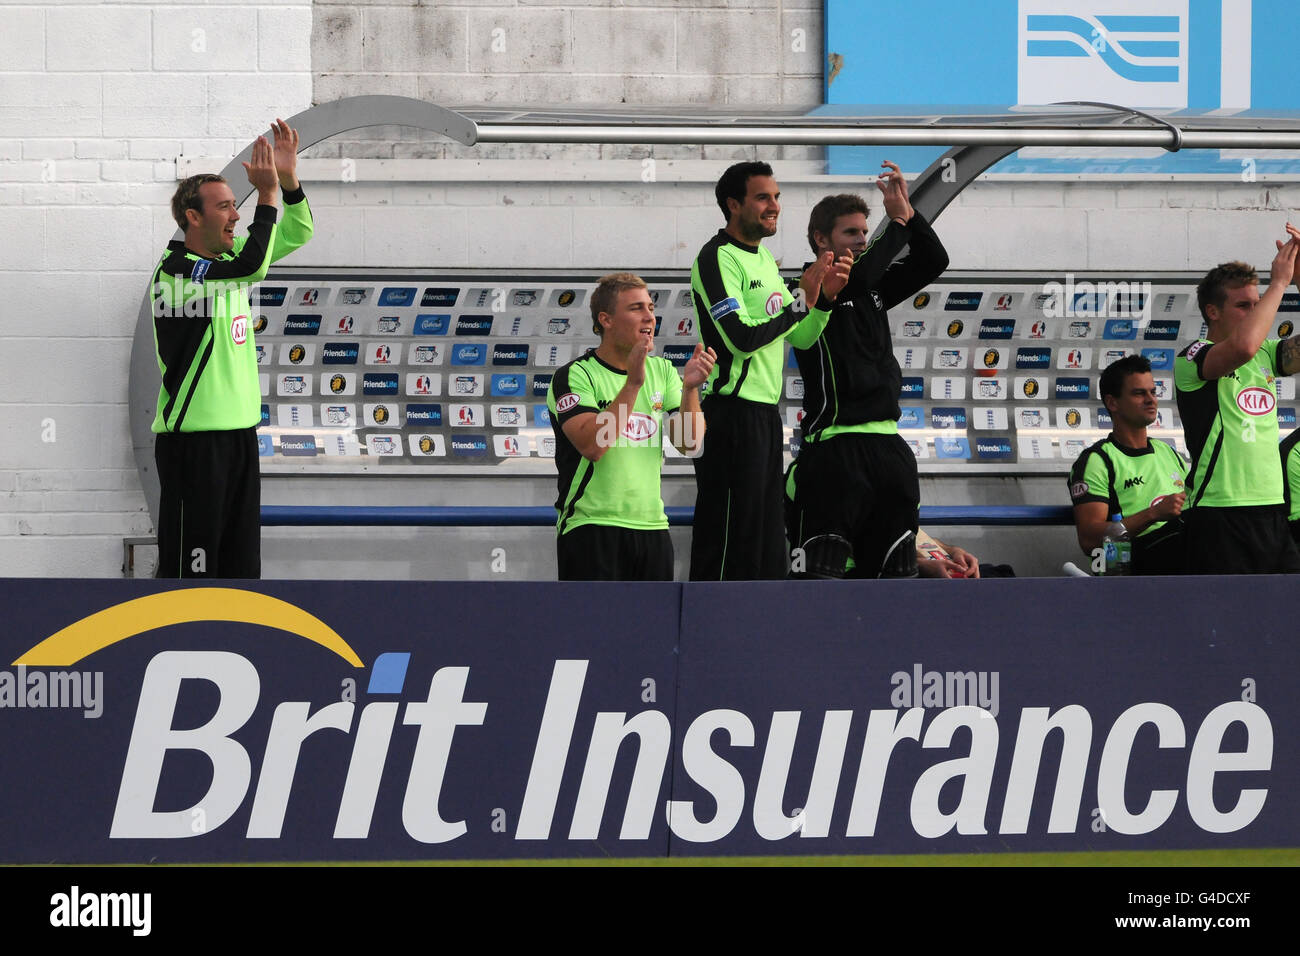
x: 608, y: 289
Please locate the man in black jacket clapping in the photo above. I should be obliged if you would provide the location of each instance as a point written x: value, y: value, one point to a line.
x: 853, y: 492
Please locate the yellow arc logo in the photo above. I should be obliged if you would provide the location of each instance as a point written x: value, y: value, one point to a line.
x: 183, y: 606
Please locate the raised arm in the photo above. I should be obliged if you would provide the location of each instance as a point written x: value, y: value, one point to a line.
x: 183, y: 278
x: 1288, y: 352
x: 1247, y: 336
x: 297, y: 226
x: 925, y: 261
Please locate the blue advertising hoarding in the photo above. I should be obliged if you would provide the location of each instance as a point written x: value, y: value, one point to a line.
x: 364, y: 721
x: 1215, y: 57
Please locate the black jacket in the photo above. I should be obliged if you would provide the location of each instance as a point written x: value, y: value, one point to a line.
x: 850, y: 374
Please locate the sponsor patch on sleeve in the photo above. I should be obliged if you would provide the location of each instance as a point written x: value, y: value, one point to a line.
x: 1078, y: 489
x: 1196, y: 347
x: 200, y: 270
x: 566, y: 402
x: 725, y: 307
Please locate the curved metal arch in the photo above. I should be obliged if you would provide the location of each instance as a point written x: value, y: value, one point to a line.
x: 947, y: 176
x: 313, y: 125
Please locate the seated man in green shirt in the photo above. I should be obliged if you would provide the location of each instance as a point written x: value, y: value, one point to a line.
x: 1235, y: 518
x: 1129, y: 474
x: 607, y: 411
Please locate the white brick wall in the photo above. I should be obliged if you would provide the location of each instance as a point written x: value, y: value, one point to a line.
x: 24, y: 39
x: 96, y: 39
x: 206, y: 40
x: 97, y: 100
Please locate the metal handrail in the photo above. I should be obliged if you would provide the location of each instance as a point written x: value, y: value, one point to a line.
x: 544, y: 516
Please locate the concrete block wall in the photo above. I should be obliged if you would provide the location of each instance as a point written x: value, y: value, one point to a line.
x: 99, y: 100
x: 538, y: 52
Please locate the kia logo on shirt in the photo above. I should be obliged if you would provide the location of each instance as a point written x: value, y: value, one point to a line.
x: 640, y: 427
x: 1256, y: 400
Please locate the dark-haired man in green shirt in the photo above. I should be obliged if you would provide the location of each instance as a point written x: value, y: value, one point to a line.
x: 745, y: 314
x: 1129, y: 474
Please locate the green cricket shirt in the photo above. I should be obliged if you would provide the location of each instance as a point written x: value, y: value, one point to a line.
x: 745, y: 312
x: 1231, y: 428
x: 202, y: 325
x: 622, y: 488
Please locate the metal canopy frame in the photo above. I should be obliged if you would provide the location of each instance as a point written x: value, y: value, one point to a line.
x: 978, y: 137
x: 1064, y: 124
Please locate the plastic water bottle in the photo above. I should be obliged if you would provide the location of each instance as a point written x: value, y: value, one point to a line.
x: 1117, y: 548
